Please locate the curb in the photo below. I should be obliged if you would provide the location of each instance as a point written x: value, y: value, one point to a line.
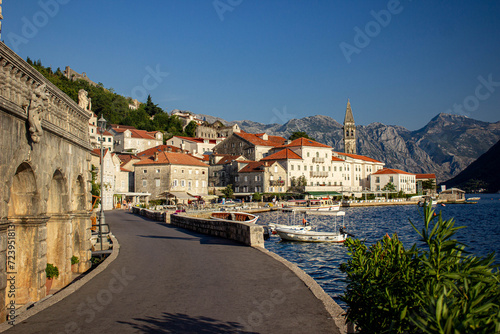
x: 50, y: 300
x: 335, y: 311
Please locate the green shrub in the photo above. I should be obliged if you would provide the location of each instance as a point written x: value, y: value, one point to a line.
x: 433, y: 289
x: 51, y: 271
x: 74, y: 260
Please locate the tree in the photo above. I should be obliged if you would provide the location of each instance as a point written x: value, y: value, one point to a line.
x: 228, y: 191
x: 299, y: 134
x: 151, y: 108
x: 257, y: 197
x: 297, y: 185
x: 190, y: 129
x: 389, y: 187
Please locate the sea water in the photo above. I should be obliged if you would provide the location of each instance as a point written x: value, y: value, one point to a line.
x: 321, y: 260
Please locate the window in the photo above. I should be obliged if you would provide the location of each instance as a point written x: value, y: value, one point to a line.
x: 109, y: 140
x: 189, y: 185
x: 291, y: 167
x: 271, y: 189
x: 329, y: 168
x: 175, y: 170
x: 145, y: 171
x: 190, y: 172
x: 298, y: 167
x: 157, y: 170
x: 175, y: 183
x: 308, y: 154
x: 377, y: 179
x: 246, y: 178
x: 183, y: 183
x: 144, y: 183
x: 236, y: 178
x: 275, y: 169
x: 317, y: 154
x: 203, y: 184
x: 196, y: 184
x: 182, y: 171
x: 197, y: 172
x: 157, y: 182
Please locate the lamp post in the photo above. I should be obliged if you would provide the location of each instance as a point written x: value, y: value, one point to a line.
x: 102, y: 127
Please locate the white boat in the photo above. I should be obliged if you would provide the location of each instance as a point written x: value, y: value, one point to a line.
x: 473, y: 198
x: 235, y: 216
x: 273, y: 227
x: 304, y: 235
x: 310, y: 236
x: 314, y: 205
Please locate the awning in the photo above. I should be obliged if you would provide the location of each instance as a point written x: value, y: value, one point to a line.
x: 324, y: 193
x: 209, y: 197
x: 179, y: 195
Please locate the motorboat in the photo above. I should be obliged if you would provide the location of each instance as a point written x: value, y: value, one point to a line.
x: 326, y: 205
x: 235, y: 216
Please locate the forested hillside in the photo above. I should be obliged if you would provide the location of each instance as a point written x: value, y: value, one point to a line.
x: 115, y: 107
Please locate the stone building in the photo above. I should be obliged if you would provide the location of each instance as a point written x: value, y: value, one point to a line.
x: 252, y: 146
x: 171, y: 172
x: 223, y: 168
x: 45, y: 177
x: 73, y: 76
x: 262, y: 177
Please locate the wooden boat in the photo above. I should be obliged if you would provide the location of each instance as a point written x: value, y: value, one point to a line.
x: 235, y: 216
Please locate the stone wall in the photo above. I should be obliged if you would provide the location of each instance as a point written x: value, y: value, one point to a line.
x: 45, y: 177
x: 248, y: 234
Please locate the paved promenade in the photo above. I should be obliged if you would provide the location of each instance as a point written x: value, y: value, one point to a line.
x: 168, y: 280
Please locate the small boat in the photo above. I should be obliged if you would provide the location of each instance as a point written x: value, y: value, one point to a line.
x: 235, y: 216
x: 310, y: 236
x: 314, y: 205
x: 304, y: 235
x: 473, y: 198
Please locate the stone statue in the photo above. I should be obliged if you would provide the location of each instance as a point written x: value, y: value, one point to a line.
x: 38, y: 103
x: 83, y: 100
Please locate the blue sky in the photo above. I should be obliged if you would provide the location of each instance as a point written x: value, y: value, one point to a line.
x: 399, y: 62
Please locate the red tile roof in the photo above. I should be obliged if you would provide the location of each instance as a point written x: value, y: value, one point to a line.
x: 160, y: 148
x: 305, y: 142
x: 171, y: 158
x: 282, y: 155
x: 337, y: 159
x: 257, y: 140
x: 124, y: 158
x: 135, y: 133
x: 359, y: 157
x: 391, y: 171
x: 227, y: 158
x: 106, y: 133
x: 254, y: 166
x: 425, y: 176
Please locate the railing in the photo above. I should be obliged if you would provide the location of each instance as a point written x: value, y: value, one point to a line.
x: 318, y: 174
x: 318, y: 160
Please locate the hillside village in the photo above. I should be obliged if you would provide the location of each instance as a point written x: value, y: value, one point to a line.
x: 142, y: 166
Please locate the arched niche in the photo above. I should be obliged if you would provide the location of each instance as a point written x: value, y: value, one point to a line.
x: 23, y: 192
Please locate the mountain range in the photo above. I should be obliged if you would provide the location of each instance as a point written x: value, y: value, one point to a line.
x: 445, y: 146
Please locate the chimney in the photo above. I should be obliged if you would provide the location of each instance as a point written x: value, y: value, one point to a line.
x: 156, y: 156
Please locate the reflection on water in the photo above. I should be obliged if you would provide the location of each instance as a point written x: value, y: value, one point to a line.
x: 321, y: 260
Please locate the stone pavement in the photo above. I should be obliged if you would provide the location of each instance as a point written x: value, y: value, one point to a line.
x: 169, y: 280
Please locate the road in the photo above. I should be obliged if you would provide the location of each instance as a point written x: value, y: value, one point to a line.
x: 169, y: 280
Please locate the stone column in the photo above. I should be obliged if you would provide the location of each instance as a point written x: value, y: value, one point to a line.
x: 59, y: 247
x: 81, y: 246
x: 30, y: 261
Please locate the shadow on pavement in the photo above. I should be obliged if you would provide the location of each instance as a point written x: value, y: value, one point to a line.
x: 182, y: 323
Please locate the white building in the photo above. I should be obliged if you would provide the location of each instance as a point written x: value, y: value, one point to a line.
x: 195, y: 146
x: 402, y: 181
x: 357, y: 169
x: 128, y: 139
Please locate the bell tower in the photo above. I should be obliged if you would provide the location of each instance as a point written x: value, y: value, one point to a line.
x: 349, y: 131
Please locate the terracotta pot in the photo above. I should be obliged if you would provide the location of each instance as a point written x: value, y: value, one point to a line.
x: 48, y: 285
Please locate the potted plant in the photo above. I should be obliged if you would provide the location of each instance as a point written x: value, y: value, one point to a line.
x: 52, y: 272
x: 74, y: 262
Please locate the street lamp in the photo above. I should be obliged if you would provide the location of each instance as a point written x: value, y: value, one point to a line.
x: 101, y: 123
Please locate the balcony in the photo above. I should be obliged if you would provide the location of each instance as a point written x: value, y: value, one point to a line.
x: 318, y: 174
x: 318, y: 160
x: 277, y: 183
